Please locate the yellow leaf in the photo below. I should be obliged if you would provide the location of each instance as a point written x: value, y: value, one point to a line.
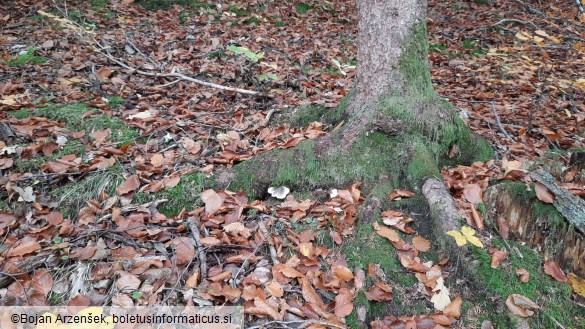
x: 459, y: 238
x: 467, y: 231
x: 523, y: 36
x: 475, y: 241
x: 577, y: 283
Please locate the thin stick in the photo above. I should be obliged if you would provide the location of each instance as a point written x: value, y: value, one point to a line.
x: 180, y: 76
x: 273, y: 254
x: 499, y: 122
x: 512, y: 20
x: 200, y: 251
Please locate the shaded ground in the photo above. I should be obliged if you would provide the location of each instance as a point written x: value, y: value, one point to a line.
x: 91, y: 141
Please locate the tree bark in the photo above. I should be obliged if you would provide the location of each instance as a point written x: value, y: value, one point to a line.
x: 383, y: 30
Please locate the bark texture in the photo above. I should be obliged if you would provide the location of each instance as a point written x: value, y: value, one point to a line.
x: 382, y: 29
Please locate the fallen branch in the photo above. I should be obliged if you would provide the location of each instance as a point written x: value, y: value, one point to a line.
x: 127, y: 209
x: 570, y: 206
x: 493, y: 105
x: 200, y: 251
x: 177, y: 76
x: 273, y: 254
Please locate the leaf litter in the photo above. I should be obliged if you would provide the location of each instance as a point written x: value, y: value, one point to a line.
x: 508, y: 71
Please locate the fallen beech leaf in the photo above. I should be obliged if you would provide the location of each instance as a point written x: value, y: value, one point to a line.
x: 473, y: 193
x: 453, y: 310
x: 42, y: 282
x: 524, y: 275
x: 23, y: 248
x: 101, y: 135
x: 309, y: 293
x: 498, y: 257
x: 477, y: 218
x: 466, y: 235
x: 140, y: 115
x: 103, y: 74
x: 212, y: 201
x: 421, y: 244
x: 342, y: 272
x: 127, y: 282
x: 130, y: 185
x: 578, y: 284
x: 398, y: 194
x: 343, y: 303
x: 26, y: 194
x: 543, y: 194
x: 379, y: 292
x: 275, y: 289
x: 184, y: 250
x: 386, y: 232
x: 521, y: 305
x: 552, y: 268
x: 441, y: 298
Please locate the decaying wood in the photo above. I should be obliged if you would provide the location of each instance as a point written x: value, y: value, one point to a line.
x: 558, y: 240
x: 570, y: 206
x: 444, y: 213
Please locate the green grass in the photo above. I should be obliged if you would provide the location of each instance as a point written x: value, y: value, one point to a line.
x: 28, y: 58
x: 70, y: 115
x: 302, y: 8
x: 33, y: 164
x: 169, y: 4
x: 185, y: 195
x: 554, y: 297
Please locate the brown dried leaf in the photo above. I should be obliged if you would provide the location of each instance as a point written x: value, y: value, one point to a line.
x: 398, y: 194
x: 421, y: 244
x: 344, y: 303
x: 453, y: 310
x: 23, y: 248
x: 543, y: 194
x: 212, y: 201
x: 524, y: 275
x: 521, y: 305
x: 552, y: 268
x: 275, y: 289
x: 130, y: 185
x: 379, y: 292
x: 386, y: 232
x: 42, y: 282
x: 473, y: 193
x: 184, y: 250
x: 498, y: 257
x: 342, y: 272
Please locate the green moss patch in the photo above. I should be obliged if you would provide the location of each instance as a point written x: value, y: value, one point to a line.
x: 27, y: 59
x: 553, y: 296
x: 186, y: 195
x: 71, y: 116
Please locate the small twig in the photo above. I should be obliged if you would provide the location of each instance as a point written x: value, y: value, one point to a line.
x: 130, y: 208
x: 269, y: 115
x: 168, y: 84
x: 245, y: 263
x: 200, y: 251
x: 177, y: 75
x: 498, y: 122
x: 512, y: 20
x: 273, y: 254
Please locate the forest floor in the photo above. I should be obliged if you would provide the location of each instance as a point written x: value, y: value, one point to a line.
x: 105, y: 146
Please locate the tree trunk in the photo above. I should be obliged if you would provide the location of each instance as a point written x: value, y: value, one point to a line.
x: 397, y: 131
